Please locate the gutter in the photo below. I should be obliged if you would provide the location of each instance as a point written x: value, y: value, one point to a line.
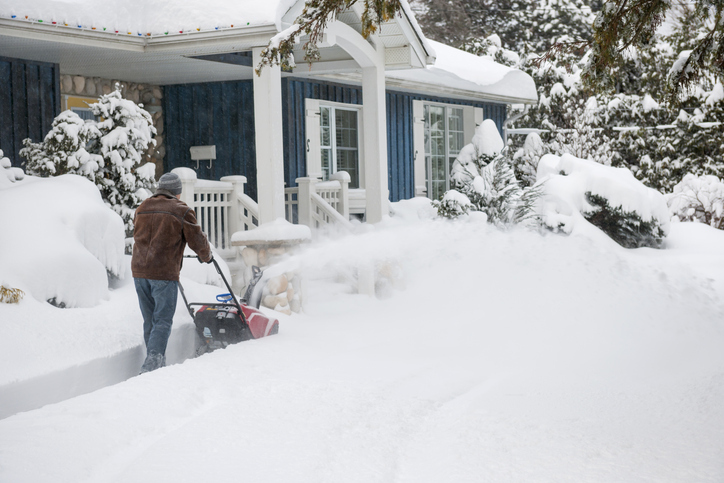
x: 512, y: 119
x: 253, y: 36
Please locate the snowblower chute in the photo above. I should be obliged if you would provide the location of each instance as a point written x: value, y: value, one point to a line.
x: 229, y: 320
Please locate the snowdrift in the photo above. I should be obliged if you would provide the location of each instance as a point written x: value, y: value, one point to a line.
x: 570, y: 183
x: 59, y: 240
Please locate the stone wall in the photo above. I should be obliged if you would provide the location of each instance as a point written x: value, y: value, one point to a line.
x: 148, y: 95
x: 282, y: 291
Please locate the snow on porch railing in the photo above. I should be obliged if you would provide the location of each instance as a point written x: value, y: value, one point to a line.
x: 316, y: 203
x: 221, y: 207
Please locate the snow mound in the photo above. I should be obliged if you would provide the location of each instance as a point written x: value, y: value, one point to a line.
x: 59, y: 239
x: 567, y: 179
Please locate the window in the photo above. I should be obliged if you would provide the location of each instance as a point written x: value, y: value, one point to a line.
x: 334, y: 140
x: 339, y: 142
x: 444, y: 137
x: 85, y: 114
x: 79, y: 105
x: 441, y: 131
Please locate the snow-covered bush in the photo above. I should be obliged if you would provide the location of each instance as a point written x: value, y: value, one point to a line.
x: 62, y: 242
x: 63, y: 149
x: 612, y: 199
x: 698, y: 198
x: 125, y: 133
x: 525, y: 160
x: 483, y: 180
x: 9, y: 174
x: 108, y: 152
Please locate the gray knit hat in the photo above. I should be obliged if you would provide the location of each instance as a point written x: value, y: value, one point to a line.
x: 171, y: 183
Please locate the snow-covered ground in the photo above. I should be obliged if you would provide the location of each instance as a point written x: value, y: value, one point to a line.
x: 488, y: 356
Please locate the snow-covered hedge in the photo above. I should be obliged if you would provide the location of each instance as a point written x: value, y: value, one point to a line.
x: 579, y: 191
x: 59, y: 240
x: 698, y: 198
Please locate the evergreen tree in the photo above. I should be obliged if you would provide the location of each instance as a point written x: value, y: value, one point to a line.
x: 108, y: 152
x: 63, y: 149
x: 125, y: 133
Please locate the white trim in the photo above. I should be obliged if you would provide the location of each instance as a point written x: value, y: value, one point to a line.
x: 312, y: 149
x: 313, y: 139
x: 418, y: 138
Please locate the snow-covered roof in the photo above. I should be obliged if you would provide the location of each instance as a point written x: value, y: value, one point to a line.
x: 457, y: 70
x: 143, y: 17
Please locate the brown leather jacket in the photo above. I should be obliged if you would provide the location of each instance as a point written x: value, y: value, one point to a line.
x: 163, y: 226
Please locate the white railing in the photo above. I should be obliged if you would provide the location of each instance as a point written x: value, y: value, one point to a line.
x: 222, y: 208
x: 316, y: 203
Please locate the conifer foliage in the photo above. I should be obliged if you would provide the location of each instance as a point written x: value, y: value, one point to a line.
x: 483, y: 180
x: 108, y: 152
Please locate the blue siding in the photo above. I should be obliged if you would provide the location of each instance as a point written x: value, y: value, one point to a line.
x: 400, y: 144
x: 294, y: 91
x: 29, y: 101
x: 220, y: 113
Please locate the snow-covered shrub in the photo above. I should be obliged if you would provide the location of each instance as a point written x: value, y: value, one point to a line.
x: 9, y: 295
x: 625, y: 227
x: 483, y: 180
x: 125, y: 133
x: 63, y: 149
x: 698, y: 198
x: 579, y: 191
x: 62, y: 244
x: 108, y: 152
x: 453, y: 205
x: 525, y: 160
x: 9, y: 174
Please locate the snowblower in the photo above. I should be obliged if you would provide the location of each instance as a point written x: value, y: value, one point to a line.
x: 229, y: 320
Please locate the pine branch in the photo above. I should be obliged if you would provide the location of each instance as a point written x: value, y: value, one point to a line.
x: 313, y: 21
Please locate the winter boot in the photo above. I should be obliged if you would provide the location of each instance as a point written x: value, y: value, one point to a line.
x: 153, y: 361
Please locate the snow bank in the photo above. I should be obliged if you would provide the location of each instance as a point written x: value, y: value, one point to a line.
x: 59, y: 239
x: 567, y: 179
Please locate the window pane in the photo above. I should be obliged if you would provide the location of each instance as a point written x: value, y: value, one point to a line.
x: 346, y: 126
x: 456, y: 135
x: 347, y: 160
x: 435, y: 152
x: 326, y: 163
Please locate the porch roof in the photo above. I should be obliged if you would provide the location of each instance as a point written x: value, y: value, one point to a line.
x: 166, y: 42
x: 458, y: 73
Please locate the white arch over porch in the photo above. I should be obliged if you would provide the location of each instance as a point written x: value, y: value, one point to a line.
x: 269, y: 121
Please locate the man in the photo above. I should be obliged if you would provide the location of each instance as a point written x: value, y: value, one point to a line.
x: 163, y: 226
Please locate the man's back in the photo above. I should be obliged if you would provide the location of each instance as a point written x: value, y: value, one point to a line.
x: 163, y: 226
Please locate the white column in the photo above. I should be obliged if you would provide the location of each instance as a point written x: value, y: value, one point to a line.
x: 304, y: 201
x: 375, y: 140
x: 269, y: 140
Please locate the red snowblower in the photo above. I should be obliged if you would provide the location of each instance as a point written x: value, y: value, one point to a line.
x: 229, y: 320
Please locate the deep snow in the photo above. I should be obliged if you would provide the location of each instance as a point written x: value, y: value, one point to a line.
x: 488, y: 356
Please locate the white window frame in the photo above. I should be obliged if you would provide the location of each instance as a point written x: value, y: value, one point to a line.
x: 472, y: 117
x: 313, y: 148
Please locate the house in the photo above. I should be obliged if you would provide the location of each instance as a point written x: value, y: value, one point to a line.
x: 392, y: 110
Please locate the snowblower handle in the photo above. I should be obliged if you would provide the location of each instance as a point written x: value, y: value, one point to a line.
x: 218, y: 270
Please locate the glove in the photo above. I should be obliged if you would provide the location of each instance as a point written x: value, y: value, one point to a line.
x: 201, y: 261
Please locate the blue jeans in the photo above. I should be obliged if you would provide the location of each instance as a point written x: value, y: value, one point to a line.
x: 157, y: 299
